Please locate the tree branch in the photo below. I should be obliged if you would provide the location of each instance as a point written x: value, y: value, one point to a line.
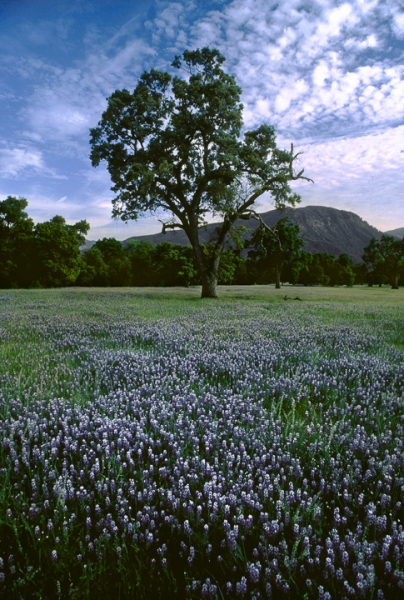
x: 300, y: 174
x: 170, y: 225
x: 252, y: 214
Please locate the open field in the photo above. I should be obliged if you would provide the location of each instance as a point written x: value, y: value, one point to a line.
x: 156, y: 445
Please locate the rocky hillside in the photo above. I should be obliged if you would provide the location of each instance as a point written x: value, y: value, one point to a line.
x: 323, y: 229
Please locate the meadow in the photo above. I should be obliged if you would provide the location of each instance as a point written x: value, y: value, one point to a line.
x: 156, y: 445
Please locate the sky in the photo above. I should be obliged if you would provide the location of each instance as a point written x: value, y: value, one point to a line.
x: 329, y: 75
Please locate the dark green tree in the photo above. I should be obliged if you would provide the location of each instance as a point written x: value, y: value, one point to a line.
x: 57, y: 254
x: 346, y: 272
x: 174, y: 265
x: 275, y: 247
x: 336, y: 271
x: 175, y: 144
x: 162, y: 265
x: 385, y: 259
x: 360, y: 273
x: 16, y: 241
x: 231, y: 264
x: 311, y: 270
x: 94, y: 271
x: 117, y: 261
x: 329, y: 266
x: 374, y: 262
x: 141, y: 255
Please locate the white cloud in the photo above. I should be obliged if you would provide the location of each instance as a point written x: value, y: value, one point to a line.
x: 12, y: 161
x: 43, y: 206
x: 287, y: 95
x: 320, y: 74
x: 66, y: 102
x: 398, y: 25
x: 355, y: 157
x: 169, y: 27
x: 19, y: 161
x: 364, y: 174
x: 296, y: 64
x: 322, y: 46
x: 56, y: 118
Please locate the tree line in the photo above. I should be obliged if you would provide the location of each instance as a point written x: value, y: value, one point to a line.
x: 48, y: 255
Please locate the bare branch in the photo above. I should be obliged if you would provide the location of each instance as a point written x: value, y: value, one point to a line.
x: 170, y: 225
x: 252, y: 214
x: 300, y: 174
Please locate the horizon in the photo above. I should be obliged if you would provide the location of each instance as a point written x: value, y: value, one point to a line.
x: 328, y: 76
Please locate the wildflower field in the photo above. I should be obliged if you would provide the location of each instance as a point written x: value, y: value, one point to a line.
x: 156, y: 445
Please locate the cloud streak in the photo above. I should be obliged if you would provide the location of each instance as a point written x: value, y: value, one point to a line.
x: 18, y: 161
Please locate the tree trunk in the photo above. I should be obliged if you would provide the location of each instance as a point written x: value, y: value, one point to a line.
x: 208, y: 269
x: 278, y: 279
x: 394, y: 285
x: 208, y: 258
x: 209, y: 284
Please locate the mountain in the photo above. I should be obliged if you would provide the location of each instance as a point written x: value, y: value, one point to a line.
x: 398, y: 233
x: 88, y: 244
x: 322, y: 229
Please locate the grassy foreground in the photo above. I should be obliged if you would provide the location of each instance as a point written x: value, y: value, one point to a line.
x: 156, y: 445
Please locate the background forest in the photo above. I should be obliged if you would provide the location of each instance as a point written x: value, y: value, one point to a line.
x: 48, y: 255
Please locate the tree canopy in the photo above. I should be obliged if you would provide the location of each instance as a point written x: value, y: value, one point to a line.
x: 15, y: 242
x: 57, y: 244
x: 175, y: 144
x: 277, y: 246
x: 385, y: 259
x: 46, y: 254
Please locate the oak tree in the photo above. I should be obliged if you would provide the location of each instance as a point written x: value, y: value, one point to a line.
x: 385, y: 258
x: 176, y: 144
x: 274, y: 247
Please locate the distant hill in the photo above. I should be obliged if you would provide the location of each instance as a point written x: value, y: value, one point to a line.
x: 322, y: 229
x: 399, y: 233
x: 88, y: 244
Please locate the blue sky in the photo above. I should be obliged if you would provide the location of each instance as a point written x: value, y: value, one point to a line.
x: 329, y: 75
